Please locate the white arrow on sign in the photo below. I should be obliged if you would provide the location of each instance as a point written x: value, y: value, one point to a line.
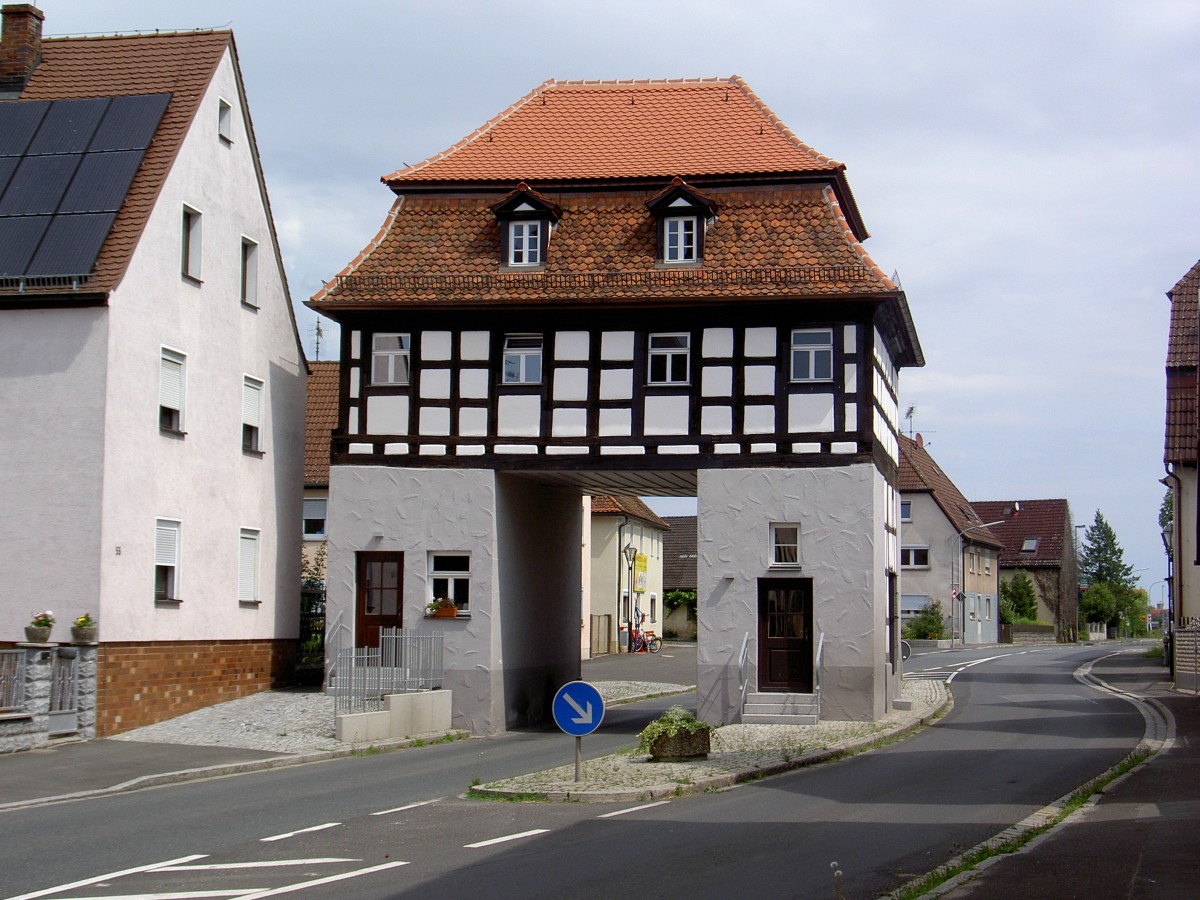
x: 584, y: 717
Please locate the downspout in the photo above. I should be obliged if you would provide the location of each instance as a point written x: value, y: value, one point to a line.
x: 620, y: 546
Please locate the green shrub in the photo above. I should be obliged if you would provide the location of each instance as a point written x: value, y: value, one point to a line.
x: 675, y: 720
x: 928, y: 624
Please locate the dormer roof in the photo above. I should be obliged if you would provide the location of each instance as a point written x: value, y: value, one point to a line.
x: 678, y: 195
x: 525, y: 202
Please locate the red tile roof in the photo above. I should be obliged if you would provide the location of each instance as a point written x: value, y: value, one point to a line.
x: 623, y: 505
x: 181, y: 64
x: 919, y: 473
x: 1183, y: 354
x: 320, y: 418
x: 1048, y: 521
x: 566, y: 130
x: 679, y: 554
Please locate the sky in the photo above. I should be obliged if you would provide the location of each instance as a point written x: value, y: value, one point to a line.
x: 1030, y: 169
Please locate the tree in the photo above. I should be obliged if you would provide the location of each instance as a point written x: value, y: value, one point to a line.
x: 1166, y: 510
x: 1099, y: 604
x: 1103, y: 560
x: 1018, y: 592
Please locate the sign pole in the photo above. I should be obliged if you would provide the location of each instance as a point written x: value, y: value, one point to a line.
x: 578, y: 759
x: 578, y: 710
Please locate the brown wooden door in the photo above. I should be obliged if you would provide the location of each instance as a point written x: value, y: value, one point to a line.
x: 380, y: 601
x: 785, y: 644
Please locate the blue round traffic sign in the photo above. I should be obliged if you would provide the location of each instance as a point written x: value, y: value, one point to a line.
x: 578, y: 708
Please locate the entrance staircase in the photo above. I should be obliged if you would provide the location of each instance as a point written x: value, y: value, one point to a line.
x: 781, y: 709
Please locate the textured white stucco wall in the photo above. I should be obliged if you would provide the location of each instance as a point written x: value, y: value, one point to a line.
x: 843, y: 549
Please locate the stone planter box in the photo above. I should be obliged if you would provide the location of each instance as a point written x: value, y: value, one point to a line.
x: 682, y: 746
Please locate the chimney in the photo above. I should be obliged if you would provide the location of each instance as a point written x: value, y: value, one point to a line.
x: 20, y: 46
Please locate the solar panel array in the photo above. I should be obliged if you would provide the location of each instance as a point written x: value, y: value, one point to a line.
x: 65, y: 169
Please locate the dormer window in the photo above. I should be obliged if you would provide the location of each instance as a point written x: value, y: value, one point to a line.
x: 526, y: 222
x: 683, y: 215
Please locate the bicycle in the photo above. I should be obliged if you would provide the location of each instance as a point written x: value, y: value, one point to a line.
x: 905, y: 650
x: 645, y: 640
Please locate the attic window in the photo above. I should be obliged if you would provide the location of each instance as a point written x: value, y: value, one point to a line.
x: 1030, y: 545
x: 526, y: 222
x: 224, y: 120
x: 683, y: 215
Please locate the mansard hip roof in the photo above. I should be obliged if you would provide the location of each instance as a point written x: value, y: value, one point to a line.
x: 571, y: 130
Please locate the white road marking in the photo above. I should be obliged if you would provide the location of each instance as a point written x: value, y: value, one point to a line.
x: 388, y: 812
x: 966, y: 666
x: 329, y: 879
x: 171, y: 895
x: 507, y: 837
x: 621, y: 812
x: 280, y: 837
x: 98, y: 878
x: 262, y: 864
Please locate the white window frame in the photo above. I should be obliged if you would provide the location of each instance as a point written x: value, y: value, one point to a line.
x: 248, y: 565
x: 191, y: 242
x: 455, y: 579
x: 785, y: 548
x: 224, y: 120
x: 315, y: 505
x: 813, y: 352
x: 396, y: 362
x: 252, y: 414
x: 908, y: 556
x: 665, y: 357
x: 523, y: 357
x: 168, y: 543
x: 681, y: 239
x: 525, y: 242
x: 905, y: 504
x: 172, y: 389
x: 249, y: 272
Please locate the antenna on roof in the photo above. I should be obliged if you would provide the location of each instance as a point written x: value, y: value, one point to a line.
x: 908, y: 417
x: 317, y: 342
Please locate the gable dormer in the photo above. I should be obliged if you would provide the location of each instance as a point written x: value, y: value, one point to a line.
x: 682, y: 214
x: 526, y: 219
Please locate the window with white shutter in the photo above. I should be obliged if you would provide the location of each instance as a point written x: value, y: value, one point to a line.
x: 166, y: 559
x: 314, y: 518
x: 252, y: 390
x: 248, y: 566
x: 170, y: 391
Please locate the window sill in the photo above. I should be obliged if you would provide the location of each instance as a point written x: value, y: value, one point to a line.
x: 249, y: 451
x: 15, y: 714
x: 512, y: 269
x: 249, y: 603
x: 191, y: 279
x: 461, y: 615
x: 679, y: 264
x: 225, y: 139
x: 167, y: 602
x: 253, y: 307
x: 172, y: 432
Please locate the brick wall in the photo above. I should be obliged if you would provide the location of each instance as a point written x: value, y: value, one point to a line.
x: 140, y: 684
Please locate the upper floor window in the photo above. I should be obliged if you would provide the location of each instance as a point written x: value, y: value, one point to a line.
x: 785, y: 545
x: 390, y: 359
x: 669, y: 358
x: 248, y: 566
x: 190, y: 250
x: 525, y: 243
x: 249, y: 286
x: 812, y: 354
x: 170, y: 390
x: 166, y: 559
x: 526, y: 221
x: 224, y: 120
x: 905, y: 510
x: 522, y: 359
x: 679, y: 239
x: 252, y: 414
x: 315, y: 511
x: 914, y: 557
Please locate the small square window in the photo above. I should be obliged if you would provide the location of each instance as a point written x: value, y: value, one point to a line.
x: 166, y: 559
x: 812, y: 354
x: 224, y: 120
x: 252, y: 415
x: 391, y: 359
x: 522, y: 359
x: 249, y: 284
x: 1030, y: 545
x: 785, y: 545
x: 450, y: 577
x: 679, y: 239
x: 525, y: 243
x: 191, y: 243
x: 315, y: 511
x: 171, y: 381
x: 669, y: 358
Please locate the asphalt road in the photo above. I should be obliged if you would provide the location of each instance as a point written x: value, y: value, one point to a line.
x: 1023, y: 732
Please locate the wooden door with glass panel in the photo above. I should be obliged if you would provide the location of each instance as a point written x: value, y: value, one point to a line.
x: 785, y: 643
x: 380, y: 602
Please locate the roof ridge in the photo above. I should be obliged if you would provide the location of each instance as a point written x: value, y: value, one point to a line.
x: 366, y: 251
x: 103, y: 36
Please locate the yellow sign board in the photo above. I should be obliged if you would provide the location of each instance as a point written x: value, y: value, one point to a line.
x: 639, y: 573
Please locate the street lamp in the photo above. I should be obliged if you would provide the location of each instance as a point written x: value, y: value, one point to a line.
x: 630, y: 552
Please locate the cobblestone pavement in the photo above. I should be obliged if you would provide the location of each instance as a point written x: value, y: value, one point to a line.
x: 300, y: 721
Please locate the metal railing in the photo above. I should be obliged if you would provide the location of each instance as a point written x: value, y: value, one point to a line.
x: 405, y: 662
x: 333, y: 646
x: 743, y: 681
x: 12, y: 681
x: 817, y: 670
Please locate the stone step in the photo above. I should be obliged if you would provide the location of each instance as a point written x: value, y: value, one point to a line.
x: 782, y: 709
x: 759, y: 719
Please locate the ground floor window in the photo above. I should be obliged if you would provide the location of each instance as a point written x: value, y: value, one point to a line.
x: 450, y: 576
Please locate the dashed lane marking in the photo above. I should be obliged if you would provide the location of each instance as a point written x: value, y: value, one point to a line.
x: 507, y: 837
x: 621, y: 812
x: 280, y: 837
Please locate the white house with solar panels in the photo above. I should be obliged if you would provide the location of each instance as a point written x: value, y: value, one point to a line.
x: 151, y: 375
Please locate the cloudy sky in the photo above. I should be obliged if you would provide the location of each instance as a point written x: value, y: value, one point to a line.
x: 1031, y: 169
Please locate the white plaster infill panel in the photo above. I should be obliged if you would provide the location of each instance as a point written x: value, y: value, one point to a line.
x: 667, y: 415
x: 472, y: 421
x: 760, y: 381
x: 616, y: 384
x: 759, y: 420
x: 616, y: 345
x: 473, y: 384
x: 570, y: 423
x: 716, y: 381
x: 760, y: 342
x: 388, y: 414
x: 851, y: 378
x: 435, y: 420
x: 435, y: 384
x: 616, y: 423
x: 355, y: 378
x: 810, y: 412
x: 435, y: 345
x: 718, y: 342
x: 519, y: 415
x: 355, y: 344
x: 571, y: 345
x: 473, y: 345
x: 570, y: 384
x: 850, y: 338
x: 716, y: 420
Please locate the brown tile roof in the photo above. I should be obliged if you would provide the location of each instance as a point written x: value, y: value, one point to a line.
x: 1183, y: 354
x: 919, y: 473
x: 624, y: 505
x: 320, y: 418
x: 679, y: 554
x: 181, y: 64
x: 1046, y: 520
x: 764, y: 243
x: 566, y: 130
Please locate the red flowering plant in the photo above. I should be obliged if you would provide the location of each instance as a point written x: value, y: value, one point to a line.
x: 42, y: 620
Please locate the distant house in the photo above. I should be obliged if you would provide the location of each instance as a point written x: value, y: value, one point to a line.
x: 679, y: 554
x: 320, y: 419
x: 1179, y: 453
x: 619, y: 521
x: 947, y: 552
x: 1038, y: 539
x: 151, y: 374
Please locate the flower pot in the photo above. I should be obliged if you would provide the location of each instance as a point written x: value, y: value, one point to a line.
x: 36, y: 634
x: 684, y: 745
x: 445, y: 613
x: 83, y: 634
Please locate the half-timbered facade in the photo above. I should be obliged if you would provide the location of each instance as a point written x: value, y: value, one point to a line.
x: 625, y: 287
